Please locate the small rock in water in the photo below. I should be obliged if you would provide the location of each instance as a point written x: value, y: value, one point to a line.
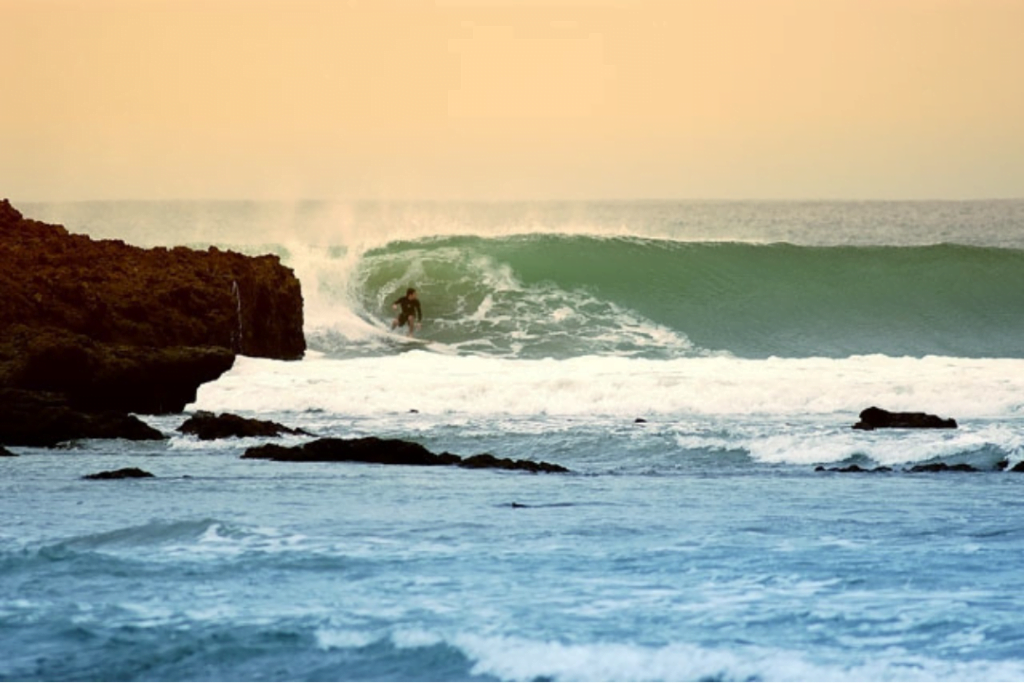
x: 388, y: 452
x: 943, y: 467
x: 4, y: 453
x: 208, y: 426
x: 124, y: 473
x: 876, y: 418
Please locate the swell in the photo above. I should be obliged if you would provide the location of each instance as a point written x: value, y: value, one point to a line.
x: 564, y: 296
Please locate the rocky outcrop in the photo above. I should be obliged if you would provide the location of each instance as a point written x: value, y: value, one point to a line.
x: 97, y: 376
x: 387, y: 452
x: 116, y: 293
x: 4, y: 453
x: 876, y: 418
x: 88, y: 327
x: 124, y: 473
x: 207, y: 426
x: 45, y: 419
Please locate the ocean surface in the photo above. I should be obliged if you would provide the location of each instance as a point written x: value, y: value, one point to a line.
x: 697, y: 544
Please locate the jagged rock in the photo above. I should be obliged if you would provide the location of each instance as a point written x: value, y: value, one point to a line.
x: 943, y: 467
x: 208, y: 426
x: 386, y: 452
x: 93, y: 326
x: 4, y: 453
x: 124, y: 473
x: 116, y: 293
x: 876, y: 418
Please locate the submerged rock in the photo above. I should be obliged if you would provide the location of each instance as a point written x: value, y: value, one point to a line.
x: 208, y: 426
x: 876, y: 418
x: 387, y: 452
x: 488, y: 461
x: 852, y: 469
x: 943, y: 467
x: 124, y: 473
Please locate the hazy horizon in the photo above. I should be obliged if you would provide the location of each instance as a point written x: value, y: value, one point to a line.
x: 493, y: 100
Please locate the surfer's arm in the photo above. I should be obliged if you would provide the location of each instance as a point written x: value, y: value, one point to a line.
x: 419, y: 311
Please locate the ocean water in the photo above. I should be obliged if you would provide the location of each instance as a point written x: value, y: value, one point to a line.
x: 698, y: 544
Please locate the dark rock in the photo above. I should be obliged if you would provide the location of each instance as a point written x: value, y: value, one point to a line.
x: 386, y: 452
x: 488, y: 461
x: 4, y: 453
x: 125, y: 473
x: 851, y: 469
x: 1019, y: 467
x: 116, y: 293
x: 97, y: 326
x: 876, y: 418
x: 639, y: 421
x: 94, y: 376
x: 943, y: 467
x: 208, y: 426
x: 36, y: 418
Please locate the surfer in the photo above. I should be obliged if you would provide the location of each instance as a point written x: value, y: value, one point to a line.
x: 410, y: 304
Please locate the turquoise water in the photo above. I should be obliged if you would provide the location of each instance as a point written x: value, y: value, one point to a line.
x: 700, y: 544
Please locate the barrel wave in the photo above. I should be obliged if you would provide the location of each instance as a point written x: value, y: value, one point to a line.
x: 542, y: 295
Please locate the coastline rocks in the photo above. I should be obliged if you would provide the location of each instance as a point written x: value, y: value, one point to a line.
x: 95, y: 376
x: 44, y: 419
x: 207, y: 426
x: 91, y: 326
x: 124, y: 473
x: 387, y: 452
x: 4, y: 453
x: 876, y: 418
x: 116, y: 293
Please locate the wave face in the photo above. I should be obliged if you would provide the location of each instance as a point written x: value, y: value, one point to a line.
x: 559, y: 296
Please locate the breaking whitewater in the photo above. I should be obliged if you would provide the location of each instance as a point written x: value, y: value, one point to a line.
x: 691, y: 363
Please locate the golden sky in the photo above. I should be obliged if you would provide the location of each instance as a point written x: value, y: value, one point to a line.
x: 504, y: 99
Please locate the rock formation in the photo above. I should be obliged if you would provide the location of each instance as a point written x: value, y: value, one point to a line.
x: 207, y: 426
x: 45, y: 419
x: 388, y: 452
x: 115, y: 293
x: 124, y: 473
x: 876, y: 418
x: 91, y: 326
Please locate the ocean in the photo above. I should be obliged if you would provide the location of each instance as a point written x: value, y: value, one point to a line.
x: 691, y: 363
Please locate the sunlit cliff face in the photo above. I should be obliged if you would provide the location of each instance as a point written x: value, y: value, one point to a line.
x: 512, y: 100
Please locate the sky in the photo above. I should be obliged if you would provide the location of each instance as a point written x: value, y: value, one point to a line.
x: 511, y: 100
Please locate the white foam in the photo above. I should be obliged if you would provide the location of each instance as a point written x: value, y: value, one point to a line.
x: 609, y: 386
x: 521, y: 659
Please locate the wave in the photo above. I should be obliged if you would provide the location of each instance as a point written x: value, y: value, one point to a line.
x: 559, y: 296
